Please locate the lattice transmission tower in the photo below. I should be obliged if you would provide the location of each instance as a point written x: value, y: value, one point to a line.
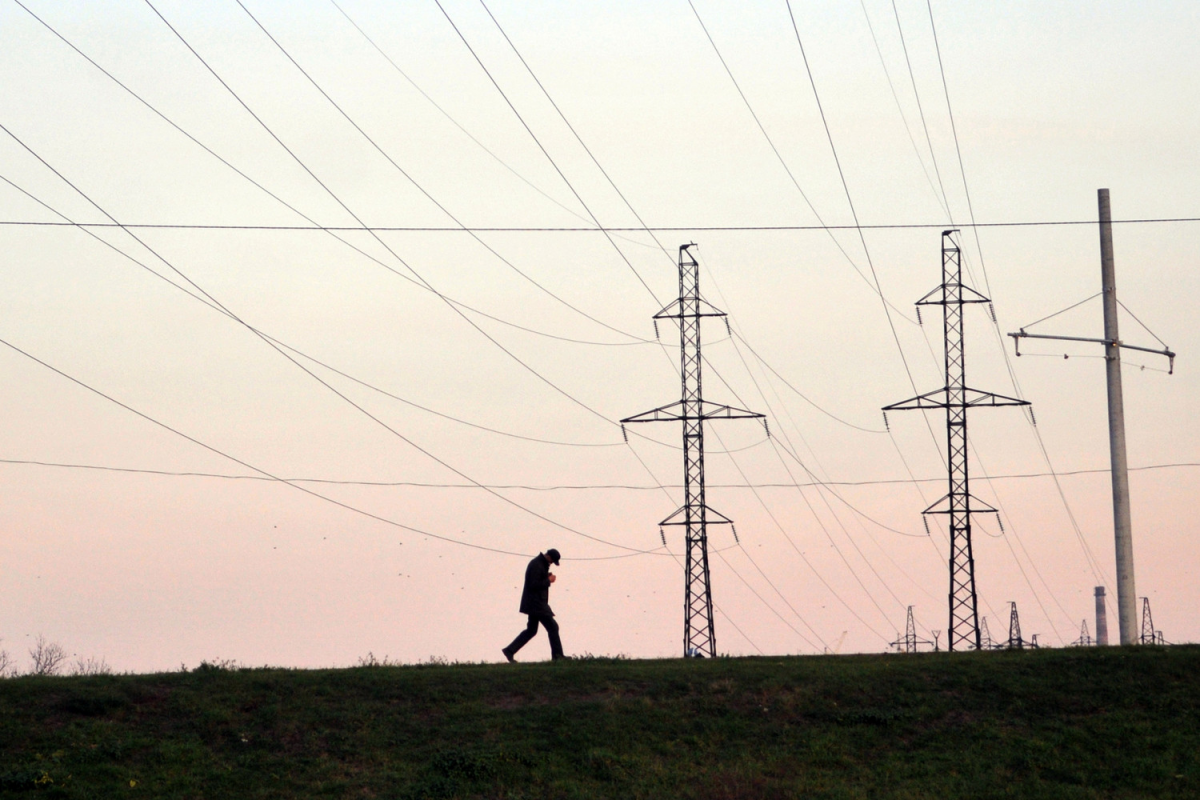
x: 910, y: 642
x: 985, y: 636
x: 1015, y: 640
x: 956, y: 397
x: 699, y: 637
x: 1150, y: 634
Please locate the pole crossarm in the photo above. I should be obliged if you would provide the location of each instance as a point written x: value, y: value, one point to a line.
x: 967, y: 398
x: 680, y: 411
x: 1165, y: 351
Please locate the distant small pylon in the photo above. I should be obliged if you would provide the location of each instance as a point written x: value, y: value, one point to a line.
x: 910, y: 643
x: 1085, y: 638
x: 1015, y: 640
x: 1149, y: 634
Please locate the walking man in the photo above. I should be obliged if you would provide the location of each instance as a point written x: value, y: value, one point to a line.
x: 535, y: 602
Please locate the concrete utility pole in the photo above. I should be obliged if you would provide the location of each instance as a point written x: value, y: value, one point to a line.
x: 1122, y: 526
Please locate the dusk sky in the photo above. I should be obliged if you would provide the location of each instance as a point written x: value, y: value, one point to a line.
x: 234, y: 433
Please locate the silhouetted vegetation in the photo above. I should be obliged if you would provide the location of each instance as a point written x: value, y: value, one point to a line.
x: 1098, y: 722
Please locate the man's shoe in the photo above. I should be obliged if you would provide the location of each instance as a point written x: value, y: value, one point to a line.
x: 508, y: 655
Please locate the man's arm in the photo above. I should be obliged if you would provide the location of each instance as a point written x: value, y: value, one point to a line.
x: 538, y: 576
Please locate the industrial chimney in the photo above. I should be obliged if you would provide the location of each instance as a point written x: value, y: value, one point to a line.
x: 1101, y: 619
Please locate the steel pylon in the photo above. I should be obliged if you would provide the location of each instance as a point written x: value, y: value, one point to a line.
x: 910, y: 642
x: 1150, y: 634
x: 699, y: 636
x: 956, y: 397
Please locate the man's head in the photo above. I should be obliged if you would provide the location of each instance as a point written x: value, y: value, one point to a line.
x: 552, y: 556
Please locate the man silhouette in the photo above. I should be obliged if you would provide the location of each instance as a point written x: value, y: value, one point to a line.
x: 535, y: 602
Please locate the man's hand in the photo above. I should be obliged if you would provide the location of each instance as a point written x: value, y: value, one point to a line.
x: 553, y: 577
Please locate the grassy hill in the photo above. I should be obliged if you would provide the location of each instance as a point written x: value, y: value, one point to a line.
x: 1112, y: 722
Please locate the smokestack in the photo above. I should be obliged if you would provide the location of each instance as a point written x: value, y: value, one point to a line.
x: 1101, y: 619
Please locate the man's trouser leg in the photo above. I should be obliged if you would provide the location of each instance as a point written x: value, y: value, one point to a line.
x: 556, y: 650
x: 524, y: 636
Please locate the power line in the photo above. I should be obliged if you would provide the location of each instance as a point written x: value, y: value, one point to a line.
x: 801, y: 394
x: 854, y: 213
x: 903, y: 117
x: 228, y: 313
x: 1088, y: 555
x: 263, y: 474
x: 579, y: 139
x: 545, y: 152
x: 921, y: 110
x: 568, y: 124
x: 779, y: 155
x: 599, y: 166
x: 448, y: 116
x: 320, y: 362
x: 603, y: 229
x: 561, y: 487
x: 408, y: 176
x: 384, y: 244
x: 313, y: 225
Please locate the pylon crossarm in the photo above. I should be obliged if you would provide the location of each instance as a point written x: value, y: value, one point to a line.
x: 976, y: 398
x: 712, y: 517
x: 676, y: 411
x: 660, y: 414
x: 967, y: 295
x: 923, y: 401
x: 714, y: 411
x: 974, y: 506
x: 703, y: 308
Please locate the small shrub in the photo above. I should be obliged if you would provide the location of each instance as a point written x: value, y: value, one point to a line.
x: 8, y: 667
x: 90, y: 666
x: 369, y: 660
x: 48, y: 657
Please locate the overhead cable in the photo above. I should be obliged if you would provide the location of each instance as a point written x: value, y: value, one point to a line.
x: 408, y: 176
x: 313, y: 225
x: 362, y: 410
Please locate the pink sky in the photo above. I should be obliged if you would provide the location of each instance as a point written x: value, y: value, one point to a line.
x: 153, y: 570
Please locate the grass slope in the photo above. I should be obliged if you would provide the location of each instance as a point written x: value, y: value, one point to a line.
x: 1113, y: 722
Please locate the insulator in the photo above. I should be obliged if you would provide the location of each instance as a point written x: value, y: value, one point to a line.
x: 1032, y: 417
x: 925, y: 519
x: 767, y: 426
x: 886, y: 427
x: 624, y: 433
x: 656, y: 336
x: 735, y: 536
x: 919, y: 320
x: 1000, y: 522
x: 728, y: 329
x: 992, y: 309
x: 662, y: 535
